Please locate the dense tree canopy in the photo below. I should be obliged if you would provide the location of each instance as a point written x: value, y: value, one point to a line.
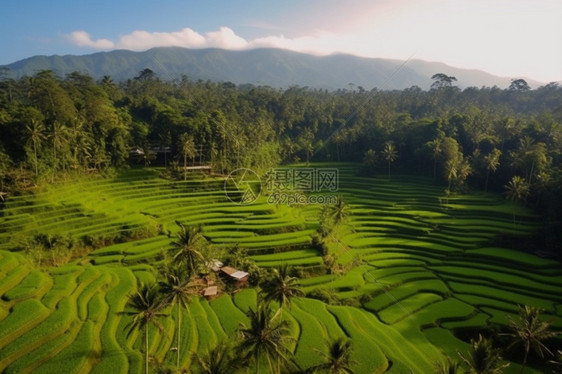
x: 480, y: 137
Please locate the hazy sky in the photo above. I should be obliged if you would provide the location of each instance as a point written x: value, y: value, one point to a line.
x: 512, y: 38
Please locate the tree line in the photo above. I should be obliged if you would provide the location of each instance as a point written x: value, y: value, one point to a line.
x: 489, y: 138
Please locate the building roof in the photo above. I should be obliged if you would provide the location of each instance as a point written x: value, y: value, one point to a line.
x: 211, y: 291
x: 234, y: 273
x: 228, y: 270
x: 239, y: 274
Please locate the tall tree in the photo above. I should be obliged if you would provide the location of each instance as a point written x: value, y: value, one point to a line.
x: 281, y: 287
x: 188, y: 246
x: 338, y: 359
x: 491, y: 161
x: 390, y: 154
x: 483, y: 358
x: 435, y: 146
x: 36, y: 133
x: 188, y: 150
x: 442, y: 81
x: 146, y: 304
x: 219, y: 360
x: 529, y: 157
x: 266, y: 339
x: 306, y: 142
x: 448, y: 366
x: 457, y: 169
x: 178, y: 289
x: 519, y: 85
x: 517, y: 190
x: 339, y: 211
x: 57, y: 136
x: 370, y: 160
x: 530, y: 333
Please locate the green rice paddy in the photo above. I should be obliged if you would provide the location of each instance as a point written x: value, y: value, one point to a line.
x: 420, y: 262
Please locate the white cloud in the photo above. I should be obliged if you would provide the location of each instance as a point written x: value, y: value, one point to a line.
x: 225, y: 38
x: 140, y: 40
x: 510, y: 38
x: 83, y: 39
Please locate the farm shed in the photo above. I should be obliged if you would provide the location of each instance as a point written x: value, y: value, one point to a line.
x: 241, y: 277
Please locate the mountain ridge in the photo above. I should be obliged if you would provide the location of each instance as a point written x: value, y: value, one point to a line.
x: 265, y: 66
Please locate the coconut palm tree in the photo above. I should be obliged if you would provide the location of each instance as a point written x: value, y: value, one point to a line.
x: 483, y: 358
x: 492, y: 162
x: 188, y: 245
x: 266, y: 339
x: 557, y: 362
x: 177, y: 290
x: 530, y: 332
x: 448, y: 366
x: 339, y: 210
x: 390, y: 154
x: 436, y: 150
x: 36, y: 132
x: 146, y: 304
x: 517, y: 189
x: 219, y: 360
x: 57, y: 135
x: 281, y: 287
x: 337, y: 360
x: 187, y: 145
x: 370, y: 160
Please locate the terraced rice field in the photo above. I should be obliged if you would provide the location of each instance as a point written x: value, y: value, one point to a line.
x: 420, y: 262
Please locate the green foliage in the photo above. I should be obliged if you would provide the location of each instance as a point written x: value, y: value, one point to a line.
x: 483, y: 358
x: 265, y: 340
x: 531, y: 333
x: 399, y: 247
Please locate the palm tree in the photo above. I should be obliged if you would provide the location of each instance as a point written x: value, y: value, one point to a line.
x: 339, y: 211
x: 219, y: 360
x: 266, y: 338
x: 369, y: 160
x: 530, y: 332
x: 164, y: 140
x: 483, y: 358
x: 58, y: 142
x: 36, y: 131
x: 448, y: 366
x: 457, y: 169
x: 338, y: 359
x: 188, y: 151
x: 436, y: 150
x: 188, y: 246
x: 558, y: 361
x: 390, y: 154
x: 178, y: 291
x: 517, y: 189
x: 306, y: 141
x: 281, y: 287
x: 528, y: 155
x: 146, y: 304
x: 492, y: 161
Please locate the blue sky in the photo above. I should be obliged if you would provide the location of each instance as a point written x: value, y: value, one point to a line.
x: 512, y: 38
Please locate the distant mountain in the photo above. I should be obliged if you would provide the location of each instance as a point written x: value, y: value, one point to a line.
x: 273, y: 67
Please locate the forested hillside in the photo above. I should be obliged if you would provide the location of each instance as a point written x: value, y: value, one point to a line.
x: 266, y: 66
x: 489, y: 138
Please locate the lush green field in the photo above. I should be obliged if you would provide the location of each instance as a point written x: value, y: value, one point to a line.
x: 420, y: 262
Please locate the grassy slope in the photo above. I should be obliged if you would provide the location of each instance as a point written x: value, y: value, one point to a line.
x: 424, y: 265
